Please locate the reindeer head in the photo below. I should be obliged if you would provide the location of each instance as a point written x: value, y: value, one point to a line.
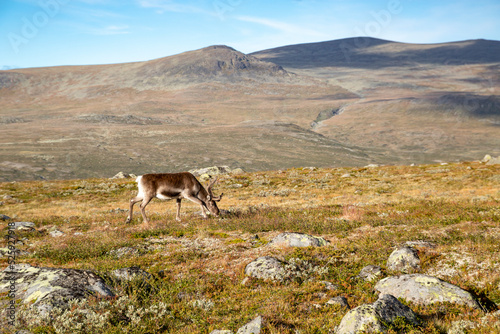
x: 211, y: 200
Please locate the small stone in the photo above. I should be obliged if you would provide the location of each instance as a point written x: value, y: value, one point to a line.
x: 253, y: 327
x: 404, y: 259
x: 329, y: 286
x: 370, y: 272
x: 24, y: 226
x: 56, y: 233
x: 341, y: 301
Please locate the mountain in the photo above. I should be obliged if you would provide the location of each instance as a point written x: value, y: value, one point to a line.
x: 348, y: 102
x: 204, y: 107
x: 373, y: 53
x: 417, y: 101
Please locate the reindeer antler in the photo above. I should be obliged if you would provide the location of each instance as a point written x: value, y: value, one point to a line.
x: 209, y: 189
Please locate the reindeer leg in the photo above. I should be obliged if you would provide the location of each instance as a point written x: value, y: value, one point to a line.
x: 178, y: 216
x: 145, y: 202
x: 200, y: 202
x: 131, y: 210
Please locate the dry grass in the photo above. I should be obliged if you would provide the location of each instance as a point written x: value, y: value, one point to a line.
x: 199, y: 263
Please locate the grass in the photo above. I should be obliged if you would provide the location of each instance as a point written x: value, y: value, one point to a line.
x: 198, y: 264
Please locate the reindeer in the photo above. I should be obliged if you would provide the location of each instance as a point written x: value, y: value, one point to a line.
x: 174, y: 185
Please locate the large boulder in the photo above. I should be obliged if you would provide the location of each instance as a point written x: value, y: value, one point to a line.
x: 291, y: 239
x: 425, y: 290
x: 51, y: 287
x: 374, y: 318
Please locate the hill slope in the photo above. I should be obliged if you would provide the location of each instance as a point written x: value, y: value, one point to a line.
x: 416, y: 99
x: 346, y: 102
x: 168, y: 114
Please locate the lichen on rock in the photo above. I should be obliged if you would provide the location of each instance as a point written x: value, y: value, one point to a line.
x: 291, y: 239
x: 424, y: 289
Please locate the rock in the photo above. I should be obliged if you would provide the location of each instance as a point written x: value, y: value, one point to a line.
x: 421, y: 244
x: 461, y: 327
x: 424, y: 289
x: 489, y: 160
x: 122, y: 175
x: 329, y: 286
x: 289, y: 239
x: 369, y: 273
x: 211, y: 171
x: 253, y: 327
x: 494, y: 161
x: 56, y: 233
x: 223, y: 331
x: 131, y: 273
x: 373, y: 318
x: 339, y: 300
x: 372, y: 166
x: 404, y: 259
x: 23, y: 226
x: 486, y: 158
x: 52, y: 287
x: 4, y: 217
x: 346, y: 175
x: 266, y: 268
x: 124, y: 251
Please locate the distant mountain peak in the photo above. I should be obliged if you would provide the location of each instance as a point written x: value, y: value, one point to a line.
x: 218, y: 62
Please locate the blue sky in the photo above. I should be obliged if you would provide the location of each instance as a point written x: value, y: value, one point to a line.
x: 37, y: 33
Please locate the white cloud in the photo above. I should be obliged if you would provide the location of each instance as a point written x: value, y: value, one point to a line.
x: 281, y: 26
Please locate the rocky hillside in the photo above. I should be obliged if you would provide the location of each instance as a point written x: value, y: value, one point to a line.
x: 398, y: 249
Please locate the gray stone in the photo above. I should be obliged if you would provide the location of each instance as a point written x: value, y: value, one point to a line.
x: 329, y: 285
x: 404, y: 259
x: 51, y: 287
x: 56, y: 233
x: 461, y: 327
x: 211, y: 171
x: 267, y: 268
x: 253, y: 327
x: 373, y: 318
x: 369, y: 273
x: 122, y: 175
x: 425, y: 290
x: 26, y: 226
x: 339, y: 300
x: 4, y: 217
x: 290, y: 239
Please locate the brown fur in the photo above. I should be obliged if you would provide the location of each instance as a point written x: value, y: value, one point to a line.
x: 170, y: 186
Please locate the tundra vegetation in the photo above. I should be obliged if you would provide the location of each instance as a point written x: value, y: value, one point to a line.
x: 197, y: 283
